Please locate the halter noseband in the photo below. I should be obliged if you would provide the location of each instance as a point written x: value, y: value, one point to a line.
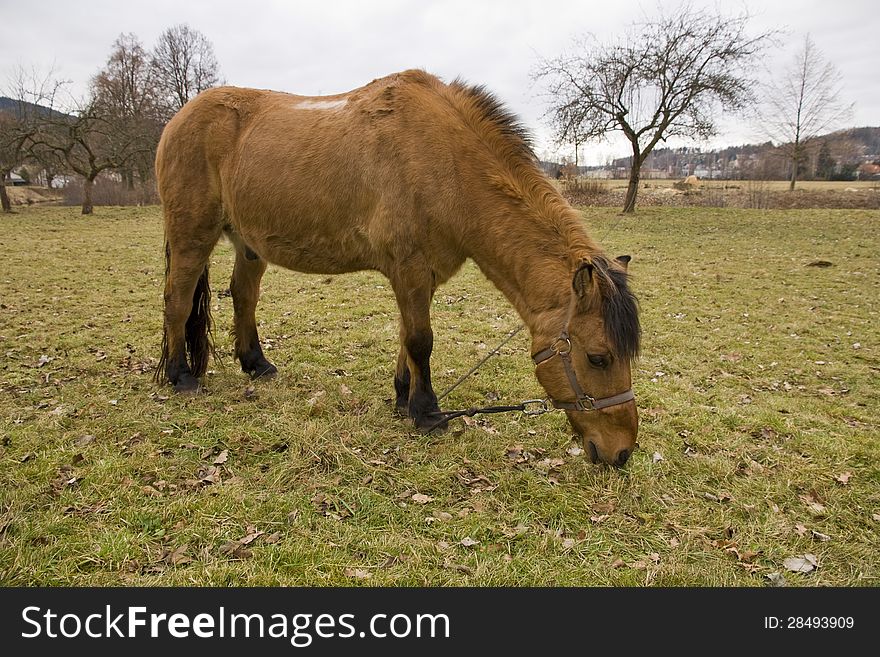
x: 583, y: 402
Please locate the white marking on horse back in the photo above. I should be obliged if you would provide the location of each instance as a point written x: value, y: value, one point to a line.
x: 321, y: 104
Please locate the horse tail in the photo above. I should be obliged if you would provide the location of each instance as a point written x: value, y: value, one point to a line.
x: 198, y: 333
x: 199, y: 336
x: 158, y: 376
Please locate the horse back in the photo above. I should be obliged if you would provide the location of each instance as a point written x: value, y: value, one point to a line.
x: 317, y: 183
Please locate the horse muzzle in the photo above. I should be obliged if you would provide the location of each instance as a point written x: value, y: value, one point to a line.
x: 620, y: 458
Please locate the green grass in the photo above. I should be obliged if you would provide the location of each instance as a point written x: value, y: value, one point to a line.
x: 751, y: 388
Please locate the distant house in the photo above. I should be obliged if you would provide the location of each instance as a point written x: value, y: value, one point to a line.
x: 15, y: 180
x: 869, y: 171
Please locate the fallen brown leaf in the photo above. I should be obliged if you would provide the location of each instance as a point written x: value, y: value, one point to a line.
x: 235, y: 550
x: 765, y: 433
x: 149, y: 490
x: 804, y: 563
x: 467, y: 570
x: 209, y: 475
x: 604, y: 507
x: 813, y: 504
x: 252, y: 534
x: 177, y: 556
x: 515, y: 532
x: 776, y: 579
x: 357, y: 573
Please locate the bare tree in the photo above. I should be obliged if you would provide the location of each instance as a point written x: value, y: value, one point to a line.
x: 10, y: 148
x: 34, y: 95
x: 117, y: 127
x: 801, y: 104
x: 185, y: 65
x: 86, y: 144
x: 664, y: 78
x: 126, y: 98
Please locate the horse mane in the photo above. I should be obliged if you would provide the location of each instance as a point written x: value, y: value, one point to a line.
x: 620, y: 307
x: 485, y: 107
x: 519, y: 176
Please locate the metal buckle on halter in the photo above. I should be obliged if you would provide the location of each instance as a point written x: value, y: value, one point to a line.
x: 562, y: 339
x: 542, y: 407
x: 590, y: 404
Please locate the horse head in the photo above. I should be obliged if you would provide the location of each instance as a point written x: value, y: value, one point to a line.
x: 586, y: 368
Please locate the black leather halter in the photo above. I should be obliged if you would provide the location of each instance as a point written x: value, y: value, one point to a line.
x: 583, y: 402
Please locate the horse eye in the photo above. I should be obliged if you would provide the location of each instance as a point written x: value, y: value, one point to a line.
x: 598, y: 361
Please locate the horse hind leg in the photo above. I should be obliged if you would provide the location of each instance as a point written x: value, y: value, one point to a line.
x: 245, y: 288
x: 186, y: 342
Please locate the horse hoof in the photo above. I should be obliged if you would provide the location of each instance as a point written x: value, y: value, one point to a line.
x: 431, y: 424
x: 264, y: 371
x: 187, y: 385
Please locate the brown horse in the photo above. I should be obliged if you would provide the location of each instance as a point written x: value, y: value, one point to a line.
x: 408, y: 176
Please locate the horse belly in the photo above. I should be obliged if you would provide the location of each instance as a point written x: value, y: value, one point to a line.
x: 310, y: 250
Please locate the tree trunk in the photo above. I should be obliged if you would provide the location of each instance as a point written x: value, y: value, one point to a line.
x: 632, y: 189
x: 4, y: 197
x: 87, y: 206
x: 795, y: 162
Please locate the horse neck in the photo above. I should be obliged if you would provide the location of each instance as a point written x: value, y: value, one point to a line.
x: 529, y: 250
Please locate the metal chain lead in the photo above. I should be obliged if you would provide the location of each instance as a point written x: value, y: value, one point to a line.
x: 480, y: 364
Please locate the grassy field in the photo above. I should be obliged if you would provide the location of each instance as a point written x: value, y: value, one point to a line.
x: 757, y: 391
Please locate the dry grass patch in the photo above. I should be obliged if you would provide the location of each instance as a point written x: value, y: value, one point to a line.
x: 757, y: 392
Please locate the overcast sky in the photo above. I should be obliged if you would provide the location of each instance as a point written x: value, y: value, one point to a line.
x: 321, y: 47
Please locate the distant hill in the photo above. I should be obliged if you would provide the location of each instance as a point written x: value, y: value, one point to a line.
x: 15, y: 108
x: 846, y: 151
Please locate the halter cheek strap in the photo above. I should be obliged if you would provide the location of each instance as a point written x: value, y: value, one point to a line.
x: 583, y: 402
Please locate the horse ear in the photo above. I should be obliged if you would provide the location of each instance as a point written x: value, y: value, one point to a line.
x: 583, y: 279
x: 623, y: 261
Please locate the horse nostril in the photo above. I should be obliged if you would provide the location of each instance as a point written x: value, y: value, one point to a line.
x: 622, y: 456
x: 594, y: 454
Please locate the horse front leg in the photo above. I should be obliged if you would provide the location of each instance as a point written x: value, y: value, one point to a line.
x: 245, y: 288
x: 412, y: 381
x: 402, y: 380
